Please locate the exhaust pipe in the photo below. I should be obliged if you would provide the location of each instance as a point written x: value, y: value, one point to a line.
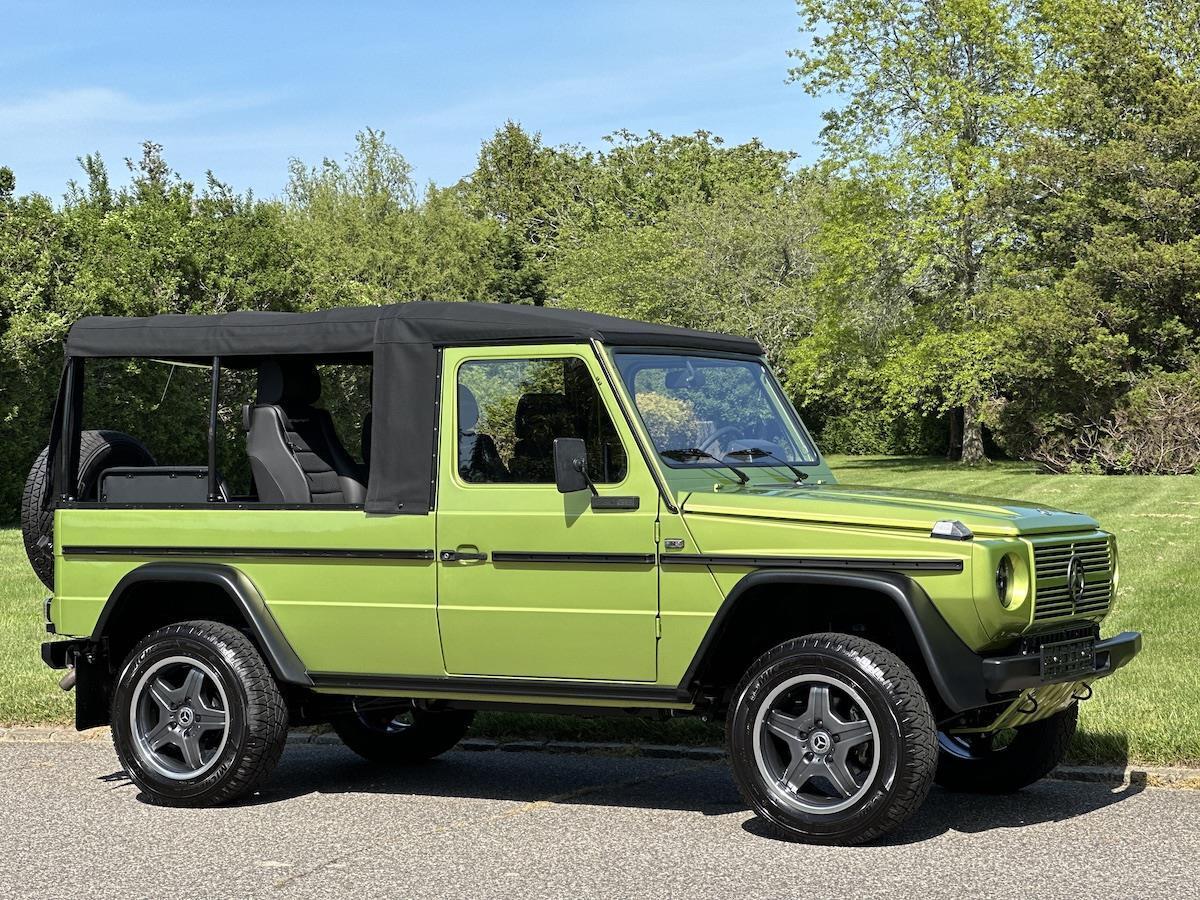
x: 68, y: 680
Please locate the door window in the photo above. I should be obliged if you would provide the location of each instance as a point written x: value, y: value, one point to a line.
x: 511, y: 410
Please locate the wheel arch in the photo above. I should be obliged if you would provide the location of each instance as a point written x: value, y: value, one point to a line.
x: 895, y: 608
x: 202, y: 590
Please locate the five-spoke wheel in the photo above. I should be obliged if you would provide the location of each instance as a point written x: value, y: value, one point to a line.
x: 178, y: 717
x: 197, y: 716
x: 815, y: 742
x: 831, y: 739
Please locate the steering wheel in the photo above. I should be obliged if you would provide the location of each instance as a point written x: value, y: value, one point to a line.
x: 712, y: 439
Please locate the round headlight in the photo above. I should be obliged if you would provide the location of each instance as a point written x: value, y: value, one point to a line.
x: 1004, y: 581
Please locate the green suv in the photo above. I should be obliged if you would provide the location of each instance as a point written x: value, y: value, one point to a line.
x: 508, y: 507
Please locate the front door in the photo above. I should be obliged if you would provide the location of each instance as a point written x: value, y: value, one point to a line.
x: 531, y: 582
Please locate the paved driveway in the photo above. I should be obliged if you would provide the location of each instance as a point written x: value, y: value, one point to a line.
x: 541, y: 825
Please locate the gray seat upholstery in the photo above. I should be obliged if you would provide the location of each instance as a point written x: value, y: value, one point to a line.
x: 478, y: 459
x: 295, y: 454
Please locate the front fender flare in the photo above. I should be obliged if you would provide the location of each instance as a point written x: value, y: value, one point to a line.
x: 280, y: 656
x: 955, y: 669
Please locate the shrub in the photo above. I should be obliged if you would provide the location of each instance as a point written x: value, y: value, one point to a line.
x: 878, y: 431
x: 1155, y: 430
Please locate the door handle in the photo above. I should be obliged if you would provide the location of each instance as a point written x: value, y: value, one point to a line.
x: 456, y: 556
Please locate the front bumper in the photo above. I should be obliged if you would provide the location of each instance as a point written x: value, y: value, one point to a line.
x: 1009, y: 674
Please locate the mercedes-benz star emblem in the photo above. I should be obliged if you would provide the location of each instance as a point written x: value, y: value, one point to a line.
x: 1076, y: 580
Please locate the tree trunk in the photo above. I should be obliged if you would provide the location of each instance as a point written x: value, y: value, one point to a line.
x: 972, y: 435
x: 954, y: 444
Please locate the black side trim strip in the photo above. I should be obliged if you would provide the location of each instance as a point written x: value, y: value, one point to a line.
x: 580, y: 559
x: 247, y: 552
x: 813, y: 562
x: 510, y: 687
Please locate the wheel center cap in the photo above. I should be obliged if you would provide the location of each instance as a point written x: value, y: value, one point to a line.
x: 820, y: 741
x: 185, y: 716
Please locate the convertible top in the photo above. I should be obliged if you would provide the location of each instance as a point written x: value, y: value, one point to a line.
x: 404, y: 342
x: 349, y: 330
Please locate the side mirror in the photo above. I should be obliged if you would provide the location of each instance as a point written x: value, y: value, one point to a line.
x: 570, y: 465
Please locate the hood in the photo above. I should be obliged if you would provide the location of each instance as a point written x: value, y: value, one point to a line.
x: 849, y: 504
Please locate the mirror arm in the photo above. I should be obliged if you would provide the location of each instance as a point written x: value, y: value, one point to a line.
x: 581, y: 467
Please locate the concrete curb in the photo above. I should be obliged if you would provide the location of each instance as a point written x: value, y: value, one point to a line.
x: 1149, y: 776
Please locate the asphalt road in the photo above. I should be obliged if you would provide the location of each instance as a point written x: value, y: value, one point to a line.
x: 504, y: 824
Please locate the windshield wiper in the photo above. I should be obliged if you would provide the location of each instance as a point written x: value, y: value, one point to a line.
x: 753, y: 453
x: 683, y: 454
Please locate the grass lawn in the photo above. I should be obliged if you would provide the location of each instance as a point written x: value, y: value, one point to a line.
x: 1149, y: 713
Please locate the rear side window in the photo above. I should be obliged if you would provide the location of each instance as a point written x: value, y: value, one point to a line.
x: 511, y: 410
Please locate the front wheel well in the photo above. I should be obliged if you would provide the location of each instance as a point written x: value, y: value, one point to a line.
x: 766, y: 615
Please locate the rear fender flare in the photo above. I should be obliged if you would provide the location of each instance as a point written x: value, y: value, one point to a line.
x: 955, y: 670
x: 284, y: 663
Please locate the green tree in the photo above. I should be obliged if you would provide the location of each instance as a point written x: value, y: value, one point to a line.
x: 365, y: 238
x: 936, y: 97
x: 688, y: 231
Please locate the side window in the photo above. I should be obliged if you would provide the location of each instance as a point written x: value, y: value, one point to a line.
x: 511, y: 410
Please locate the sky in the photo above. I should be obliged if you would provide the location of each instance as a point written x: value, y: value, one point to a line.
x: 242, y: 88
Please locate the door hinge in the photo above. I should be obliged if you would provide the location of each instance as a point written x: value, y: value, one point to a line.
x: 657, y: 531
x: 658, y: 628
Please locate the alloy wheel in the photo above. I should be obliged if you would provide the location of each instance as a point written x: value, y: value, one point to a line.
x: 179, y: 718
x: 816, y: 744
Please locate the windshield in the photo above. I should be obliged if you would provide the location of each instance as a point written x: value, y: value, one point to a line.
x: 714, y: 411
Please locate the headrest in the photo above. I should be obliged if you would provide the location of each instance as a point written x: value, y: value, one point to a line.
x: 468, y: 410
x: 541, y: 416
x: 283, y: 382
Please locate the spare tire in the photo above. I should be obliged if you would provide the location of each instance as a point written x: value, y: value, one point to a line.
x: 98, y: 450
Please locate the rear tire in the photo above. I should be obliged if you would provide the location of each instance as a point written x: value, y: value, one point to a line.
x: 98, y: 450
x: 975, y: 765
x: 197, y: 717
x: 831, y: 740
x: 391, y: 736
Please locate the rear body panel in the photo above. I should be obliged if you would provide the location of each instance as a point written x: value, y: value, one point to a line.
x: 342, y: 608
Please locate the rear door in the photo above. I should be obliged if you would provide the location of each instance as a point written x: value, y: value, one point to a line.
x: 531, y: 582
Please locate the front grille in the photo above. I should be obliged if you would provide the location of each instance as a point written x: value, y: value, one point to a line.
x: 1052, y: 593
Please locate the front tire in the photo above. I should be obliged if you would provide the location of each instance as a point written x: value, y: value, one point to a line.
x: 831, y: 740
x: 391, y: 735
x: 981, y: 765
x: 197, y: 717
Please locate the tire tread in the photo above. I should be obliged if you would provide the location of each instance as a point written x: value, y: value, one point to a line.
x: 913, y: 783
x: 266, y: 711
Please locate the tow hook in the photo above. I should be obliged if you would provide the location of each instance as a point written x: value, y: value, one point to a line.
x: 68, y: 680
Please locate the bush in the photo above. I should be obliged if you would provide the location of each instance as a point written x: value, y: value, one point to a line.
x: 875, y: 431
x: 1155, y: 430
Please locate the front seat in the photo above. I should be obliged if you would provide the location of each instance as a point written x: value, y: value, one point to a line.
x: 478, y: 459
x: 294, y: 451
x: 540, y: 418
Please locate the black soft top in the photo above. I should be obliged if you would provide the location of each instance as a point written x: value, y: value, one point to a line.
x: 349, y: 330
x: 403, y: 340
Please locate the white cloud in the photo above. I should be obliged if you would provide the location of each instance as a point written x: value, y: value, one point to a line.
x: 620, y: 89
x: 100, y: 105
